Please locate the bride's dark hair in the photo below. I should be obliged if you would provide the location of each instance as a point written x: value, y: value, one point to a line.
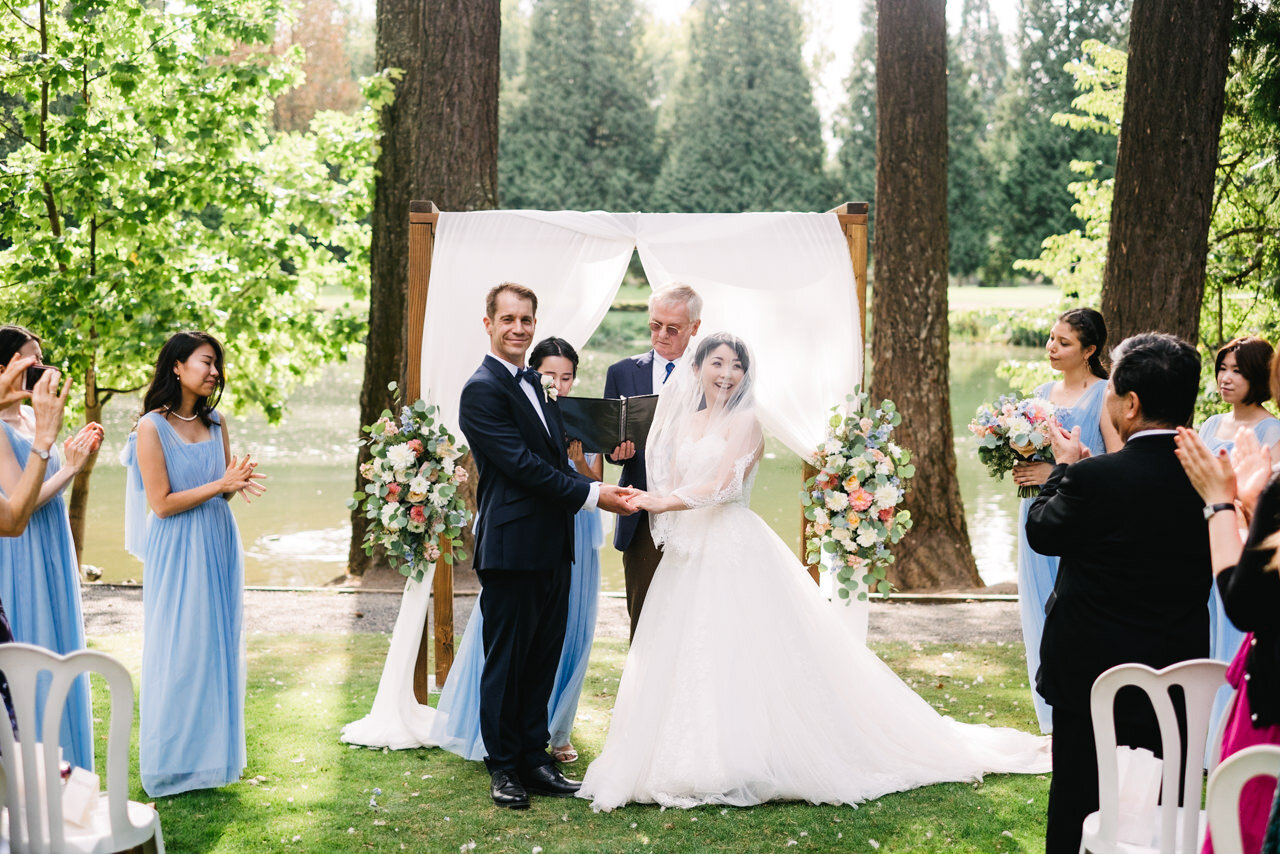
x: 711, y: 342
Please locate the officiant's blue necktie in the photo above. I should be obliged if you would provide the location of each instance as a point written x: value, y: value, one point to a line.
x: 671, y: 366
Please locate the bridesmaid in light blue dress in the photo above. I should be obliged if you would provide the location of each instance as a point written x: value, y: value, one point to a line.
x: 191, y: 732
x: 1242, y: 369
x: 39, y: 572
x: 1075, y: 345
x: 456, y: 725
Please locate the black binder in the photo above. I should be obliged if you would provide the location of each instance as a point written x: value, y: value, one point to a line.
x: 604, y: 423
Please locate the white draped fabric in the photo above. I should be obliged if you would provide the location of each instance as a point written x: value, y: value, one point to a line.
x: 781, y: 281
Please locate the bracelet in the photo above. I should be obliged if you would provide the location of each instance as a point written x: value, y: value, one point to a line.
x: 1211, y: 509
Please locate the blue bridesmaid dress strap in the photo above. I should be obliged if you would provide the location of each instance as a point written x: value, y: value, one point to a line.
x: 136, y: 512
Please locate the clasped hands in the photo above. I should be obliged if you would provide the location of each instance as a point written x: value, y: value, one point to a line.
x: 1067, y: 449
x: 625, y: 500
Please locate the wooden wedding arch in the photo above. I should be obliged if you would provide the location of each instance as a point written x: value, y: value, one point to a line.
x: 422, y: 231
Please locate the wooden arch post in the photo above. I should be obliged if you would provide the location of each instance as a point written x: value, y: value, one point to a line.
x: 422, y: 229
x: 422, y: 237
x: 853, y: 222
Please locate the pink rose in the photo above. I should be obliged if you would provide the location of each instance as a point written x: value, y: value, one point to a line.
x: 459, y: 475
x: 861, y: 500
x: 886, y: 514
x: 415, y: 445
x: 433, y: 552
x: 393, y: 492
x: 417, y: 514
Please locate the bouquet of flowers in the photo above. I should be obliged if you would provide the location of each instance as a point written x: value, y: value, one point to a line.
x: 852, y: 502
x: 1011, y: 431
x: 411, y: 492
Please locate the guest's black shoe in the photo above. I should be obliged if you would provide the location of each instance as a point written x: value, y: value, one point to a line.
x: 507, y: 791
x: 547, y: 780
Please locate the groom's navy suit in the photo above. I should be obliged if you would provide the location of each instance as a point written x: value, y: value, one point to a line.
x: 527, y: 495
x: 1132, y: 586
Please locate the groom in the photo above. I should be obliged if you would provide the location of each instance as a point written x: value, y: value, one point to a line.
x: 1134, y: 575
x: 527, y: 497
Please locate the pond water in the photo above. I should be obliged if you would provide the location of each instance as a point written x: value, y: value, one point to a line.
x: 297, y: 534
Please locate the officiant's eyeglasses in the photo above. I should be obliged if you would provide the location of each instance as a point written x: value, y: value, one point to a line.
x: 673, y: 331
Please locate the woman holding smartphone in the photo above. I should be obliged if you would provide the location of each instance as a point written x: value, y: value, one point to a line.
x: 39, y: 571
x: 192, y: 718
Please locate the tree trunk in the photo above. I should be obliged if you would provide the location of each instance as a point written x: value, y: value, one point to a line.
x: 909, y: 332
x: 440, y: 144
x: 79, y: 500
x: 1173, y: 102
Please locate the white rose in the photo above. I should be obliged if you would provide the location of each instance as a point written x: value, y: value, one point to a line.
x: 820, y: 516
x: 867, y: 537
x: 837, y: 501
x: 841, y: 534
x: 388, y: 513
x: 887, y: 496
x: 884, y: 468
x: 400, y: 457
x: 835, y: 461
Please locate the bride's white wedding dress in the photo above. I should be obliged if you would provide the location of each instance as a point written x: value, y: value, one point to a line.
x: 743, y: 686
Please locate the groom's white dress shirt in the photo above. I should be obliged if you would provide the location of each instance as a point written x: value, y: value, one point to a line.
x: 593, y: 496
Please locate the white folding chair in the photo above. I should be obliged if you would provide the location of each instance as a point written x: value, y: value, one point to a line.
x: 1222, y: 805
x: 1214, y: 756
x: 33, y: 821
x: 1178, y: 830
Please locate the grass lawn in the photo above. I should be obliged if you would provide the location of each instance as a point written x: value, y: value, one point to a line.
x: 306, y: 791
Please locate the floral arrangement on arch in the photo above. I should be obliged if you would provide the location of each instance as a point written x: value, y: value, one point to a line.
x: 852, y: 502
x: 411, y: 496
x: 1014, y: 430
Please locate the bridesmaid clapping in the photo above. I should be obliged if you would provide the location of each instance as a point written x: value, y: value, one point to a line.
x: 192, y: 718
x: 1074, y: 348
x: 39, y: 572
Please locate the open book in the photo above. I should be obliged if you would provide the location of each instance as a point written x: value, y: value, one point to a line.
x: 604, y: 423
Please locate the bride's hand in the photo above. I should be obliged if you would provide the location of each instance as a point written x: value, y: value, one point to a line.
x: 657, y: 503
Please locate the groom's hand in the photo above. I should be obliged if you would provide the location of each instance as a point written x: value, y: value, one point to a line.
x: 616, y: 499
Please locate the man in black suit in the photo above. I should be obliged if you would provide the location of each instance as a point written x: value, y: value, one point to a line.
x: 1134, y: 575
x: 527, y: 496
x: 674, y: 316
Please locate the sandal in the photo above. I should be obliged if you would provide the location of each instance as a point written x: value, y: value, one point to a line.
x: 566, y: 754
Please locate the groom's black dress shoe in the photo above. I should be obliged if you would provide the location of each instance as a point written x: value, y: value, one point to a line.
x: 547, y: 780
x: 507, y: 791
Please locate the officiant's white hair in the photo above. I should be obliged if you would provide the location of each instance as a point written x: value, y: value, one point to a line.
x: 678, y: 294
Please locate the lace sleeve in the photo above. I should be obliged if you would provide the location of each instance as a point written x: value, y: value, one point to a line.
x: 727, y: 478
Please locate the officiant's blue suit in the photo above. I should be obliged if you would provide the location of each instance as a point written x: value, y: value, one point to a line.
x: 628, y: 378
x: 527, y: 495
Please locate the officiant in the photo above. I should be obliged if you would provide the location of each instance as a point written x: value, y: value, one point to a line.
x: 674, y: 315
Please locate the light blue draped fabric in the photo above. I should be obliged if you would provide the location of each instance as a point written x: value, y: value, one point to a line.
x: 136, y: 513
x: 1038, y: 573
x: 191, y: 733
x: 456, y: 726
x: 40, y: 588
x: 1224, y: 637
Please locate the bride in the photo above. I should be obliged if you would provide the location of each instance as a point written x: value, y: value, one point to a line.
x: 742, y: 684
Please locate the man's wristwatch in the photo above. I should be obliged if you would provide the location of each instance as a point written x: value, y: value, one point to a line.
x: 1211, y: 509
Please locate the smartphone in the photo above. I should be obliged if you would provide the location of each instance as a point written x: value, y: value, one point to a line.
x: 33, y: 375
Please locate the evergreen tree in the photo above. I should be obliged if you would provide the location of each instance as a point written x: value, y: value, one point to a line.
x: 746, y: 134
x: 582, y: 133
x: 1034, y: 202
x: 856, y: 123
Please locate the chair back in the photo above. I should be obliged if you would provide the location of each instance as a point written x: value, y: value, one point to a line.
x: 1199, y: 680
x: 34, y: 800
x: 1225, y: 784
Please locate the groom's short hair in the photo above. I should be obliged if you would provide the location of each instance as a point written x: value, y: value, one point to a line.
x: 491, y: 301
x: 1163, y: 370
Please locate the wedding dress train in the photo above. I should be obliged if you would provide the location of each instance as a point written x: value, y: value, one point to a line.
x: 743, y: 686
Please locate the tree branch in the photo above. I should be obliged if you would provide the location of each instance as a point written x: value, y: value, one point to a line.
x: 27, y: 23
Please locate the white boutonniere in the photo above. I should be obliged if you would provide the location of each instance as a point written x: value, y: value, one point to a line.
x: 549, y: 392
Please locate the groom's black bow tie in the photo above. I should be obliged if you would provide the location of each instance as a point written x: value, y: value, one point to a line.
x: 529, y: 375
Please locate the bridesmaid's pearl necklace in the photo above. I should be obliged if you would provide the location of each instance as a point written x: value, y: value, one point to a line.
x: 183, y: 417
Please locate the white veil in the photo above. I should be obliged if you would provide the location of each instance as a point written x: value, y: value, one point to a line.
x: 705, y: 442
